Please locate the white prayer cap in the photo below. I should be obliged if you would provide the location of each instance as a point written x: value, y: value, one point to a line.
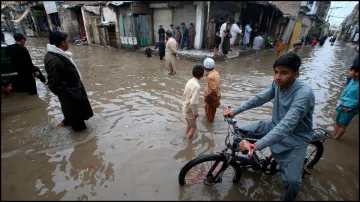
x: 209, y: 63
x: 297, y: 42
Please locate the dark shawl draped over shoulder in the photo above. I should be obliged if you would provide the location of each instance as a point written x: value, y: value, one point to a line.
x: 64, y: 81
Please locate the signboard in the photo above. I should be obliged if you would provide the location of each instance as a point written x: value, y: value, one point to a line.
x: 50, y: 7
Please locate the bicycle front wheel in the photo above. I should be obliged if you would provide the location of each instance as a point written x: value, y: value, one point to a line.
x: 203, y: 169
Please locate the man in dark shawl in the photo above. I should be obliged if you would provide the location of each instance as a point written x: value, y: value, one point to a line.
x: 65, y: 81
x: 22, y: 63
x: 161, y: 33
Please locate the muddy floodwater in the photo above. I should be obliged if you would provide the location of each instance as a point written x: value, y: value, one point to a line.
x: 133, y: 148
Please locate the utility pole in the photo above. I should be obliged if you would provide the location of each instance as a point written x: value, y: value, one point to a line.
x: 331, y: 12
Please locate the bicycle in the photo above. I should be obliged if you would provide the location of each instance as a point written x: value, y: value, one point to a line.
x: 251, y: 159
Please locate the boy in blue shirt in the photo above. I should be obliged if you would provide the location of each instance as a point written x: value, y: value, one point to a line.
x: 348, y: 104
x: 290, y: 129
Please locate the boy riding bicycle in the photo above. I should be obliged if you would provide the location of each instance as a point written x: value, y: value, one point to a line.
x: 290, y: 129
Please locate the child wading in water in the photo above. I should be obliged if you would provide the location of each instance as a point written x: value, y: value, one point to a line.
x: 348, y: 105
x: 6, y: 88
x: 190, y: 101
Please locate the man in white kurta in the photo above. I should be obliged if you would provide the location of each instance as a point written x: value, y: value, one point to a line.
x: 247, y: 33
x: 235, y: 30
x: 170, y: 53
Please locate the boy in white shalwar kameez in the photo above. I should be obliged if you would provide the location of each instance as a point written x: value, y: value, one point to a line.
x: 190, y: 101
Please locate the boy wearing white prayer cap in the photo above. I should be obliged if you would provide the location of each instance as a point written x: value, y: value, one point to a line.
x: 212, y: 94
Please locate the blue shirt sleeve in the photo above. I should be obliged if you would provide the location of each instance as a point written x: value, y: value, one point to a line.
x: 257, y: 100
x: 300, y: 106
x: 350, y: 95
x: 186, y: 32
x: 356, y: 61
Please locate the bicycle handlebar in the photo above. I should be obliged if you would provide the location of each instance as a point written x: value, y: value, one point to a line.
x: 238, y: 137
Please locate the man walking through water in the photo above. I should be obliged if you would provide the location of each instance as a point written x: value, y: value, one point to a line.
x: 290, y: 129
x: 65, y: 81
x: 22, y: 63
x: 297, y: 46
x: 212, y: 94
x: 247, y: 32
x: 170, y: 53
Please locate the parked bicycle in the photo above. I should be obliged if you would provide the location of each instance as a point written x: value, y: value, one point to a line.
x: 82, y: 41
x: 210, y: 169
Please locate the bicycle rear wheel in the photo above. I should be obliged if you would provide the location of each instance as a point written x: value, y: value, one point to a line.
x: 203, y: 169
x: 314, y: 153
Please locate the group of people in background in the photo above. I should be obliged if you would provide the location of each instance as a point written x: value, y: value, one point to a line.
x: 186, y: 36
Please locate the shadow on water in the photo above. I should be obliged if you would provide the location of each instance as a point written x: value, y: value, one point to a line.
x: 134, y: 150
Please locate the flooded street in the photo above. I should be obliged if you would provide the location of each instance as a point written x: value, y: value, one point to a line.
x: 133, y: 148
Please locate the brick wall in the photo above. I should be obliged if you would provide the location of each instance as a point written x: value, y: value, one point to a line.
x: 288, y: 7
x: 69, y: 23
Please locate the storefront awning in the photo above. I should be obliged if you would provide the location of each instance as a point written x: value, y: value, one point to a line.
x: 27, y: 11
x: 269, y: 5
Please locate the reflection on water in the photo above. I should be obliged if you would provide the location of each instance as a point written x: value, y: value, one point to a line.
x: 134, y: 149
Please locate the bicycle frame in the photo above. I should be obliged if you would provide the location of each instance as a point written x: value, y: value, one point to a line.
x: 253, y: 160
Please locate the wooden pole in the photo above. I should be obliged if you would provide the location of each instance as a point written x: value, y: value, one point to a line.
x: 262, y: 10
x: 271, y: 21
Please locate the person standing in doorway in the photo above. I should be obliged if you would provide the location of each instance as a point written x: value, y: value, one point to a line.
x: 247, y: 32
x: 226, y: 42
x: 170, y: 53
x: 211, y: 33
x: 253, y: 34
x: 192, y: 33
x: 161, y: 33
x: 212, y: 94
x: 235, y: 31
x: 185, y: 36
x: 22, y: 63
x: 223, y: 28
x: 161, y: 46
x: 258, y: 43
x: 280, y: 47
x: 178, y: 38
x: 172, y: 30
x: 297, y: 46
x: 65, y: 81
